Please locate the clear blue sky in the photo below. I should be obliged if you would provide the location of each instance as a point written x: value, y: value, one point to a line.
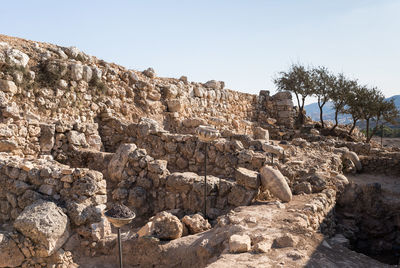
x: 244, y: 43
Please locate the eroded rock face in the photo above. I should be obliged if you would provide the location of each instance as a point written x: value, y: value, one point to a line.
x: 273, y: 180
x: 10, y: 254
x: 46, y: 224
x: 167, y: 226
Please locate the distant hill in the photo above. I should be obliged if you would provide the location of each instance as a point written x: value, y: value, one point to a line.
x: 329, y: 112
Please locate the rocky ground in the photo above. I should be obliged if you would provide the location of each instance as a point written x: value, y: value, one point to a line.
x: 79, y: 135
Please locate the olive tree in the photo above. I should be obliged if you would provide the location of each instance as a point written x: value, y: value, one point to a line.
x: 297, y: 80
x: 323, y: 83
x: 385, y: 111
x: 355, y: 101
x: 342, y: 87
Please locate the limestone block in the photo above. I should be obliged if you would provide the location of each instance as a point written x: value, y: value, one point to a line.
x: 239, y: 243
x: 247, y: 178
x: 273, y: 149
x: 46, y: 224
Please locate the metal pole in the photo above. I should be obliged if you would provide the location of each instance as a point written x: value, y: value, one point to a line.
x: 120, y: 247
x: 205, y: 180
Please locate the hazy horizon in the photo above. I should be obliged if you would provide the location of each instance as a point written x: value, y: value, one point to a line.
x: 244, y: 44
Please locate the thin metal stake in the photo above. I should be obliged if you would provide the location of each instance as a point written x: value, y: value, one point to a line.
x: 120, y: 247
x: 205, y: 180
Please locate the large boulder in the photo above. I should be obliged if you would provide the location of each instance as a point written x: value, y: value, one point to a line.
x: 196, y: 223
x: 273, y: 180
x: 10, y: 254
x: 167, y: 226
x: 46, y: 224
x: 119, y: 160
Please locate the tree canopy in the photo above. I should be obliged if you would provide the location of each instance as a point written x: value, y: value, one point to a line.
x: 347, y: 95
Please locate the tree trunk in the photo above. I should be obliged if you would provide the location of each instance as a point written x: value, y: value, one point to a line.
x: 373, y: 131
x: 336, y: 119
x: 320, y: 112
x: 367, y: 129
x: 353, y: 127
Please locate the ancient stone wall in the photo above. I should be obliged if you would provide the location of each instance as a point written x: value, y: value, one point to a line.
x: 147, y: 186
x: 46, y: 201
x: 383, y: 163
x: 51, y: 84
x: 184, y: 152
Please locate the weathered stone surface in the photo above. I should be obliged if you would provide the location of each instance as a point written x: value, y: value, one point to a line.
x: 149, y: 72
x: 181, y: 182
x: 16, y: 57
x: 262, y: 134
x: 283, y: 241
x: 353, y: 157
x: 76, y: 72
x: 10, y: 254
x: 81, y: 213
x: 146, y: 230
x: 167, y: 226
x: 196, y: 223
x: 8, y: 145
x: 273, y: 180
x: 247, y: 178
x: 76, y: 138
x: 303, y: 187
x: 8, y: 86
x: 47, y: 132
x: 46, y: 224
x: 239, y: 243
x: 157, y: 166
x: 273, y: 149
x: 174, y: 105
x: 119, y: 160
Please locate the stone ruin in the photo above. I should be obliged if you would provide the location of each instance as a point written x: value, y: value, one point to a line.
x: 78, y: 134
